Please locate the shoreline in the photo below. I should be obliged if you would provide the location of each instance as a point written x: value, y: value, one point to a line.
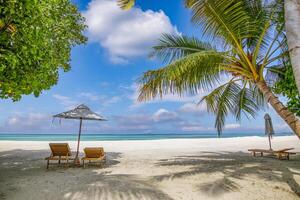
x: 196, y: 144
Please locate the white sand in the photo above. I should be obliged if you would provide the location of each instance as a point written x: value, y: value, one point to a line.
x: 154, y: 169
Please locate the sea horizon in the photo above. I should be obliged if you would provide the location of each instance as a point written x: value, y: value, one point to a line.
x: 123, y: 136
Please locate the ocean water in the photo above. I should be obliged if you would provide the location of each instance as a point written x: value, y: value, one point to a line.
x: 110, y: 137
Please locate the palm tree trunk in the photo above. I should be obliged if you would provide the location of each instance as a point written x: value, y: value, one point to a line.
x: 282, y: 111
x: 292, y: 26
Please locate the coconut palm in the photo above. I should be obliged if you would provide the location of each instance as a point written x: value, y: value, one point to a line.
x: 292, y: 23
x: 243, y: 26
x: 236, y: 65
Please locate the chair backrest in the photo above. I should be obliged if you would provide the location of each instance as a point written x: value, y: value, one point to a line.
x: 60, y: 149
x: 286, y: 149
x: 94, y: 152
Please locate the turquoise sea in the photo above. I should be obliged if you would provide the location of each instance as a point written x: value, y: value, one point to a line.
x: 110, y: 137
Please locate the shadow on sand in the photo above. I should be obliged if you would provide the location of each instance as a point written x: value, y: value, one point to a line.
x: 233, y: 166
x: 21, y: 171
x: 18, y: 180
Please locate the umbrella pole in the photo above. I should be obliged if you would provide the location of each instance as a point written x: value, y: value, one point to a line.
x: 270, y: 142
x: 77, y: 161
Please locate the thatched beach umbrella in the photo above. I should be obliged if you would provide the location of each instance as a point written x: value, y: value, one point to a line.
x: 269, y: 128
x: 81, y: 112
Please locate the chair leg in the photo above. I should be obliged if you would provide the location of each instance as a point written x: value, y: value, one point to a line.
x: 48, y: 164
x: 279, y: 156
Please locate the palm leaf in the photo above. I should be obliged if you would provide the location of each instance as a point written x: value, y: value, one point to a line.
x: 126, y: 4
x: 228, y: 20
x: 232, y: 98
x: 173, y: 47
x: 220, y: 101
x: 189, y: 75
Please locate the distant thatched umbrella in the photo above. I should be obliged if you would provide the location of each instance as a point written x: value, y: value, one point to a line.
x: 269, y: 128
x: 81, y: 112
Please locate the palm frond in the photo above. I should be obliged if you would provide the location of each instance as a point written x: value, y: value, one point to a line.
x: 189, y: 3
x: 173, y: 47
x: 220, y: 101
x: 227, y: 19
x: 230, y: 21
x: 126, y: 4
x: 189, y: 75
x: 232, y: 98
x: 246, y: 103
x: 257, y: 95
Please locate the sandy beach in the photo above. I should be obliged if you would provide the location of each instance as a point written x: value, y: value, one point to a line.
x: 154, y: 169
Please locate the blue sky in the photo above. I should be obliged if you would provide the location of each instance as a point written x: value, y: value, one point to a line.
x: 104, y: 74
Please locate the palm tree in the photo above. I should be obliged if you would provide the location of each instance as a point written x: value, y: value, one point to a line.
x: 292, y: 21
x: 245, y: 52
x: 243, y: 26
x: 292, y: 26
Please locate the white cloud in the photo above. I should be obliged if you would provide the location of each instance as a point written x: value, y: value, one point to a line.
x: 163, y: 115
x: 125, y: 34
x: 103, y: 99
x: 193, y: 128
x: 90, y: 96
x: 67, y: 102
x: 232, y: 126
x: 134, y: 93
x: 27, y: 122
x: 193, y: 108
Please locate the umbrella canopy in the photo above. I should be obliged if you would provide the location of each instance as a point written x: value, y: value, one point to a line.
x: 269, y: 130
x: 81, y: 112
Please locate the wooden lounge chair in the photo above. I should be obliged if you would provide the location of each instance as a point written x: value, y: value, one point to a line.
x: 282, y: 154
x: 59, y: 151
x: 94, y: 154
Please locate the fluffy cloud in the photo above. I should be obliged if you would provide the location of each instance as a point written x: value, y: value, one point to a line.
x: 125, y: 34
x: 27, y: 122
x: 195, y: 127
x: 67, y: 102
x: 103, y: 99
x: 133, y: 93
x: 232, y: 126
x: 132, y: 123
x: 193, y: 108
x: 163, y: 115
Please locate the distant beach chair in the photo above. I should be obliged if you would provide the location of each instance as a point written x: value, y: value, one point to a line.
x: 94, y: 154
x: 59, y: 151
x: 282, y: 154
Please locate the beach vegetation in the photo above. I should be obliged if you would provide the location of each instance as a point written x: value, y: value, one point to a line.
x: 36, y: 38
x: 235, y: 65
x: 286, y: 85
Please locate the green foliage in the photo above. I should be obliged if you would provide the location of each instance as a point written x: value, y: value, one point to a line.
x: 187, y: 75
x: 287, y: 87
x: 126, y: 4
x: 234, y: 98
x: 35, y: 42
x: 246, y: 41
